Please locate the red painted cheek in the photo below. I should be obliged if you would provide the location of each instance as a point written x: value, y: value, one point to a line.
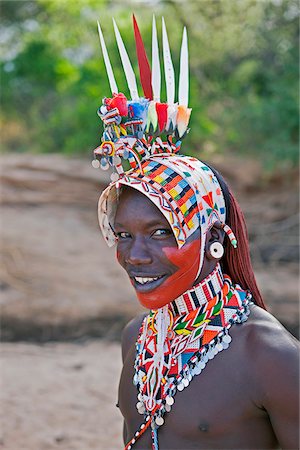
x: 187, y: 260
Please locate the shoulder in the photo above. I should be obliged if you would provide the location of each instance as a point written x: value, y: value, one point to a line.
x: 273, y: 359
x: 265, y: 333
x: 130, y: 333
x: 273, y: 353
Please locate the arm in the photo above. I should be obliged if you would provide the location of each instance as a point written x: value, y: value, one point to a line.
x: 277, y: 374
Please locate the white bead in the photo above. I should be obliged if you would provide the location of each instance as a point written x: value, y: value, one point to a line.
x: 180, y: 387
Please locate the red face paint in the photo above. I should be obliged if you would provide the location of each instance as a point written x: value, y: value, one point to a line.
x: 187, y: 260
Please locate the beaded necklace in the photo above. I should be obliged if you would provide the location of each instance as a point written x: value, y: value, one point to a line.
x: 176, y: 342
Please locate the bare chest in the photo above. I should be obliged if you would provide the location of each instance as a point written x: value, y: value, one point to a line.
x: 216, y: 406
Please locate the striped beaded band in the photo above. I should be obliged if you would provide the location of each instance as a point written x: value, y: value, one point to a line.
x: 198, y: 295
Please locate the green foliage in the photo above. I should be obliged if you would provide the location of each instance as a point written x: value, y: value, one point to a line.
x: 243, y: 60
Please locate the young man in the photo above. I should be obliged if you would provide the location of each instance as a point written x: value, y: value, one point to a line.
x: 208, y: 367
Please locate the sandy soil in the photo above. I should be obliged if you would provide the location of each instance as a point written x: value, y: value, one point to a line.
x: 60, y: 396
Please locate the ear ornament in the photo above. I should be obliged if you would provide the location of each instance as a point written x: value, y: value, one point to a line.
x: 216, y: 250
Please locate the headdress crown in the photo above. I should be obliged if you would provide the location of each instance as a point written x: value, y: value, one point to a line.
x: 134, y: 128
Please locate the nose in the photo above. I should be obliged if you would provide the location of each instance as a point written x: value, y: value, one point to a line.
x: 138, y: 253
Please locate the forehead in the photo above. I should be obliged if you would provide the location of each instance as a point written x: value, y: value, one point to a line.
x: 134, y: 206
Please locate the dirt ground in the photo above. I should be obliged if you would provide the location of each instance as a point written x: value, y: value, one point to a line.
x: 59, y: 283
x: 60, y: 396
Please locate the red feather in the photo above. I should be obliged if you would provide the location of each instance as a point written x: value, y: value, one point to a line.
x: 144, y: 66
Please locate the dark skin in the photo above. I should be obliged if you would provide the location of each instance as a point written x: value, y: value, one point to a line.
x: 247, y: 397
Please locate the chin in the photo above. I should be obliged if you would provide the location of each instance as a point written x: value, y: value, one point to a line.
x: 166, y: 292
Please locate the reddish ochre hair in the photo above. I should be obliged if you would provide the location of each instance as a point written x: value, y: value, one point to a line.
x: 236, y: 262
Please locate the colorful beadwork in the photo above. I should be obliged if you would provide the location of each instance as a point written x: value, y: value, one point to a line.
x: 191, y: 338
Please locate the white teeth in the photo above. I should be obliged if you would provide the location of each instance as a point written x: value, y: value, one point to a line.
x: 143, y: 280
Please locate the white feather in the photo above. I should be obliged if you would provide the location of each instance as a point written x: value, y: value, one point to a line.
x: 155, y: 75
x: 183, y: 91
x: 129, y: 73
x: 110, y: 74
x: 168, y: 65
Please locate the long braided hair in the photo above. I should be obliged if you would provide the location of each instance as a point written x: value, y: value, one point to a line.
x: 236, y: 262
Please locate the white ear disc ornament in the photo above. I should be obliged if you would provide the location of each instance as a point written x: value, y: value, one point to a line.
x: 216, y: 250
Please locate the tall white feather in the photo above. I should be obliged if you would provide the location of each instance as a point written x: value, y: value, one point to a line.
x: 155, y: 75
x: 183, y: 90
x: 129, y: 73
x: 169, y: 69
x: 110, y: 74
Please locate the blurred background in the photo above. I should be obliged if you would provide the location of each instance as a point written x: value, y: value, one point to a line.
x: 64, y: 300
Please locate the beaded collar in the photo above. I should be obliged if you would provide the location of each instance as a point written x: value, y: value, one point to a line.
x: 204, y: 291
x: 176, y: 342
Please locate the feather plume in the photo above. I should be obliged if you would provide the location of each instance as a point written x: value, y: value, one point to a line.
x: 144, y: 66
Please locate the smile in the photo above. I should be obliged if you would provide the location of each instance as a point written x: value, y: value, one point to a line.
x: 144, y: 280
x: 147, y: 284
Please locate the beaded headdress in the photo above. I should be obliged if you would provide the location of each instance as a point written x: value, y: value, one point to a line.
x: 147, y: 134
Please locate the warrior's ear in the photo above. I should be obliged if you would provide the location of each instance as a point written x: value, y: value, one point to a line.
x: 215, y: 234
x: 214, y: 249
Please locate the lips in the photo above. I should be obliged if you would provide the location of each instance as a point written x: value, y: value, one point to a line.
x: 147, y: 283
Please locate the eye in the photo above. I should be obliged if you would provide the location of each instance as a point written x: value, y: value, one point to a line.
x: 123, y: 235
x: 162, y: 232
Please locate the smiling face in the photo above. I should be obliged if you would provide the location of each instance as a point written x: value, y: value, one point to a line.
x: 148, y: 251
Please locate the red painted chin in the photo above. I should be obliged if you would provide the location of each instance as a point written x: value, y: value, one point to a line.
x: 187, y: 260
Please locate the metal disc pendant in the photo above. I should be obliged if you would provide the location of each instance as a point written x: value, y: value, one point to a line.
x: 159, y: 421
x: 169, y: 400
x: 185, y: 382
x: 96, y: 163
x: 180, y: 387
x: 197, y: 370
x: 210, y: 355
x: 225, y: 345
x: 202, y: 365
x: 168, y: 407
x: 227, y: 339
x: 205, y: 358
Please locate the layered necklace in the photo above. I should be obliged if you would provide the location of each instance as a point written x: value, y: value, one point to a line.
x: 176, y: 342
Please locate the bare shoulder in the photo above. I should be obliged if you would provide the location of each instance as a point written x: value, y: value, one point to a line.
x: 273, y: 354
x: 266, y: 334
x: 272, y: 360
x: 130, y: 333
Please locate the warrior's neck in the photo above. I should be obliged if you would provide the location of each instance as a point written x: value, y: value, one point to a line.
x: 199, y: 294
